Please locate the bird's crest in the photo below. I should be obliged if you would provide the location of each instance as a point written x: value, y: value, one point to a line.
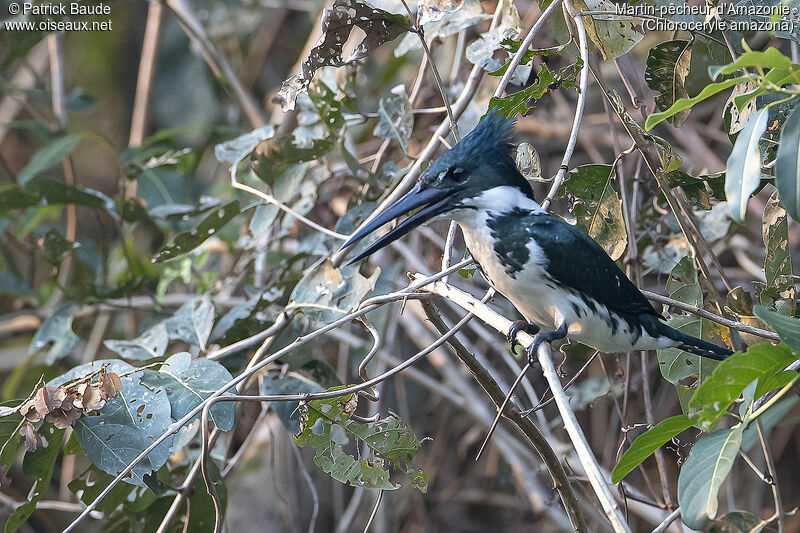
x: 494, y: 133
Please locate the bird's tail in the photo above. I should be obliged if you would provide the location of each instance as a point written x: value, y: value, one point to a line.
x: 694, y: 345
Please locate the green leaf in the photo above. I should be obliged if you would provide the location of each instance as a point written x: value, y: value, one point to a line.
x: 787, y: 328
x: 152, y: 343
x: 787, y: 165
x: 326, y: 293
x: 598, y: 207
x: 57, y: 328
x: 647, y: 443
x: 189, y: 240
x: 703, y: 473
x: 517, y: 103
x: 326, y: 426
x: 49, y: 155
x: 685, y: 103
x: 188, y: 382
x: 613, y: 36
x: 778, y: 257
x: 667, y: 67
x: 9, y: 433
x: 743, y: 171
x: 92, y: 482
x: 761, y: 362
x: 40, y: 192
x: 512, y: 45
x: 395, y: 119
x: 192, y: 322
x: 769, y: 58
x: 684, y: 370
x: 736, y: 522
x: 39, y: 464
x: 698, y: 190
x: 126, y: 425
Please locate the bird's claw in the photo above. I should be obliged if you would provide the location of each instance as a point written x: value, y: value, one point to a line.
x: 548, y: 337
x: 516, y: 327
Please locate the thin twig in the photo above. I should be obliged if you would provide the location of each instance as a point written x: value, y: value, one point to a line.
x: 366, y: 306
x: 540, y: 443
x: 183, y: 10
x: 458, y: 107
x: 596, y: 477
x: 523, y: 47
x: 374, y: 512
x: 144, y: 81
x: 739, y: 326
x: 561, y: 175
x: 663, y: 526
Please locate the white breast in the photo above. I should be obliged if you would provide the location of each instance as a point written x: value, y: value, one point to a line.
x: 541, y: 301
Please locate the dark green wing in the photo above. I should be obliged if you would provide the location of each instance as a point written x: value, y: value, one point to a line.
x: 575, y: 260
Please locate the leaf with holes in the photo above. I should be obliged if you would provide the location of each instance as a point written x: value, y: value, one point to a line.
x: 326, y: 426
x: 703, y: 473
x: 187, y: 241
x: 762, y: 362
x: 647, y: 443
x: 126, y: 425
x: 56, y: 329
x: 597, y: 207
x: 192, y: 322
x: 613, y: 36
x: 338, y: 22
x: 326, y: 293
x: 667, y: 67
x: 517, y: 103
x: 787, y: 165
x: 684, y: 370
x: 778, y: 258
x: 188, y: 382
x: 743, y: 170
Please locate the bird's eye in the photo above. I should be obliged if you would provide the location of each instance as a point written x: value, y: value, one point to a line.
x: 459, y: 175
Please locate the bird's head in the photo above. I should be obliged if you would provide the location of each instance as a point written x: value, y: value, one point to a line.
x: 457, y: 181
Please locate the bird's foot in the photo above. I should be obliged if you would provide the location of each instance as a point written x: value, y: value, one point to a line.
x: 548, y: 336
x: 517, y: 326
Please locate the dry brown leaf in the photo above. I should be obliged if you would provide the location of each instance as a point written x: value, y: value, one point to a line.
x: 110, y: 385
x: 64, y: 416
x: 30, y: 438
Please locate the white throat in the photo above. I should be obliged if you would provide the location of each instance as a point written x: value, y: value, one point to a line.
x: 494, y: 200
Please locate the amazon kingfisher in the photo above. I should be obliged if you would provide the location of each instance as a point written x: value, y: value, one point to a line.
x: 559, y: 279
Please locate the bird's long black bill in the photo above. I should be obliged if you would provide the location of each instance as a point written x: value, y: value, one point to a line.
x: 433, y: 201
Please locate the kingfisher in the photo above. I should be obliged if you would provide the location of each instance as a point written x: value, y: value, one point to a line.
x: 560, y: 280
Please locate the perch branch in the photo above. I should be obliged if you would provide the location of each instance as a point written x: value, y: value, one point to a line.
x: 502, y: 324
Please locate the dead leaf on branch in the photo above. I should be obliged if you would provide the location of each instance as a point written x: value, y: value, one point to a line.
x: 63, y: 406
x: 338, y: 22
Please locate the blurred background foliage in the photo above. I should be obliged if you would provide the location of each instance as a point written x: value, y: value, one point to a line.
x: 122, y: 238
